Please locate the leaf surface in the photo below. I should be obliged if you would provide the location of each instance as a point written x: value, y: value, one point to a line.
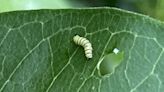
x: 37, y: 52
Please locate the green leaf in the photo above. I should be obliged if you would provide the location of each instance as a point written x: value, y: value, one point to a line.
x: 109, y: 63
x: 37, y: 52
x: 12, y: 5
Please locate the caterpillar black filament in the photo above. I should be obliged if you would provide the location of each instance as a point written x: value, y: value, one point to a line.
x: 85, y: 44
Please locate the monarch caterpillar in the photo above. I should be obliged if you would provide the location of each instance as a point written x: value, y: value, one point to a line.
x: 85, y: 44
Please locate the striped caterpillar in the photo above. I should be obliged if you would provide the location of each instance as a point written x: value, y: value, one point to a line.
x: 85, y: 44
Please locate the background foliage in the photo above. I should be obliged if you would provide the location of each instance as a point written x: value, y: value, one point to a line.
x: 153, y: 8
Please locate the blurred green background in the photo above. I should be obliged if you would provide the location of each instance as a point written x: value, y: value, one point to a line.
x: 153, y: 8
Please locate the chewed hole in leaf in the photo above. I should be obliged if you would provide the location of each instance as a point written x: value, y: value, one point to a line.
x: 109, y: 62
